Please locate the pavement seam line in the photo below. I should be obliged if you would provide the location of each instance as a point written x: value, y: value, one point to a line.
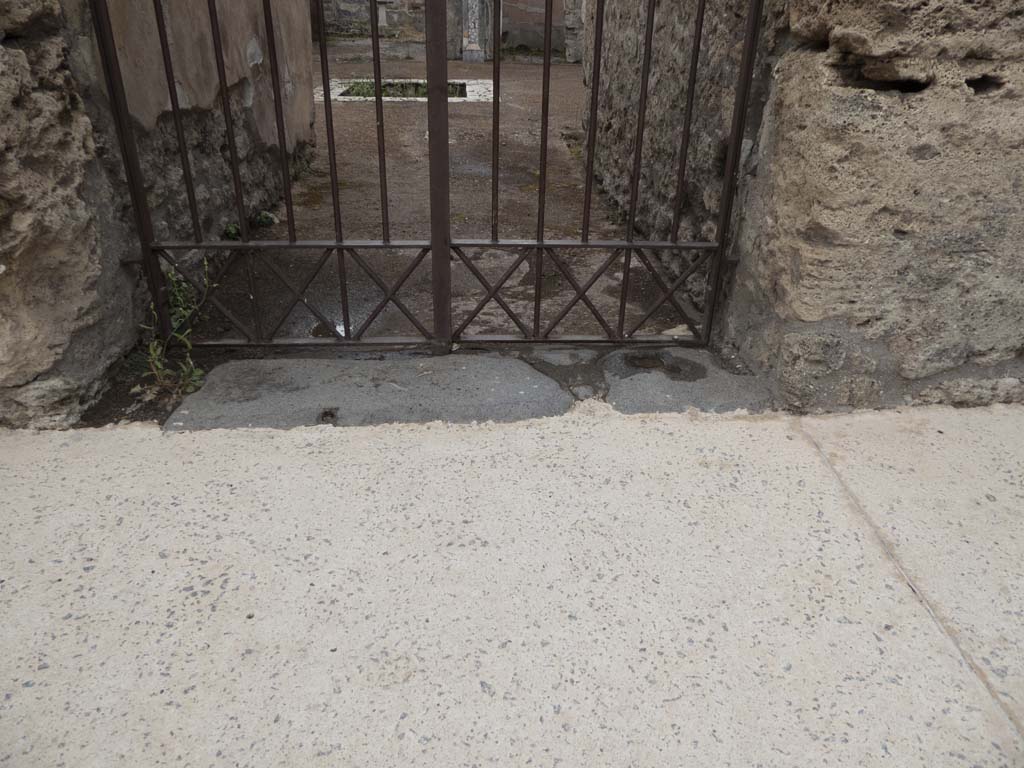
x: 890, y: 554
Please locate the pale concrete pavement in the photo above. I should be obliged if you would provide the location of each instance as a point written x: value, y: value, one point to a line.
x: 591, y: 589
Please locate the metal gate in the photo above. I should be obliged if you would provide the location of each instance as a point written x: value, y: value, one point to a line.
x: 436, y: 247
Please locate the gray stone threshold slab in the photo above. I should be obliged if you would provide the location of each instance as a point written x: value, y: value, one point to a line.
x: 461, y: 388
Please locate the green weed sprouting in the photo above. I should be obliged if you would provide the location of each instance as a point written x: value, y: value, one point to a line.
x: 183, y: 377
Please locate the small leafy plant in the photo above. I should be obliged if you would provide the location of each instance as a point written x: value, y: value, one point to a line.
x: 181, y: 375
x: 264, y: 219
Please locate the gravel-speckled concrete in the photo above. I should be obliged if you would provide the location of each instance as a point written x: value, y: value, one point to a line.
x: 947, y: 496
x: 586, y: 590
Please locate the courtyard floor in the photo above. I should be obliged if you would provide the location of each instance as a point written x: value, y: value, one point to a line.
x: 586, y: 589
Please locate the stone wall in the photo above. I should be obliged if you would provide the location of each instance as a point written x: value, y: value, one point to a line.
x: 880, y: 211
x: 523, y: 26
x: 522, y: 23
x: 574, y: 30
x: 69, y: 308
x: 402, y: 19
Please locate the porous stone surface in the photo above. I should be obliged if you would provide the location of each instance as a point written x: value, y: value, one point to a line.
x: 960, y: 29
x: 975, y: 392
x: 880, y: 247
x: 68, y: 307
x: 880, y: 189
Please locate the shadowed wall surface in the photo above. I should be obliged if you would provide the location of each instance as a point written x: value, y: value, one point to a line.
x: 68, y: 306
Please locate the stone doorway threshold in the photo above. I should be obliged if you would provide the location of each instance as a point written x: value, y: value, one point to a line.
x: 365, y: 389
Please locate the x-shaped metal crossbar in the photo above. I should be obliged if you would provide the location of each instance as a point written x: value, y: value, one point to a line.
x: 299, y: 294
x: 206, y: 291
x: 581, y: 292
x: 390, y: 294
x: 492, y: 292
x: 669, y: 292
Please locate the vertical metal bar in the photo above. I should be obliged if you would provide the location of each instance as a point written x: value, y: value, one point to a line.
x: 282, y: 139
x: 538, y: 286
x: 624, y: 296
x: 542, y: 189
x: 437, y: 125
x: 229, y: 122
x: 133, y: 171
x: 595, y: 84
x: 332, y: 155
x: 343, y: 280
x: 641, y: 122
x: 250, y: 274
x: 496, y: 118
x: 179, y: 130
x: 638, y: 150
x: 378, y: 92
x: 684, y: 148
x: 544, y: 110
x: 739, y: 124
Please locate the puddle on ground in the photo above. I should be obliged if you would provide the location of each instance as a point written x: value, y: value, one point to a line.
x: 675, y: 369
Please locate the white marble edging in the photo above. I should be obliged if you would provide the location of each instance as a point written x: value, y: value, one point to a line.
x: 476, y: 90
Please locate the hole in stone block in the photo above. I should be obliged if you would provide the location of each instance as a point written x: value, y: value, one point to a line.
x: 985, y: 84
x: 853, y: 75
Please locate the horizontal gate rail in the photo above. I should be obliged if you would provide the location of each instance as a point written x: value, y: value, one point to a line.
x: 316, y: 245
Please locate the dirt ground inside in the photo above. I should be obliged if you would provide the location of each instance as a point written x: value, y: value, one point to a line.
x: 406, y: 154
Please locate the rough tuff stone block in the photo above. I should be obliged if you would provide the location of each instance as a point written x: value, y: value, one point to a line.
x: 56, y: 289
x: 959, y: 29
x: 884, y: 220
x: 68, y: 307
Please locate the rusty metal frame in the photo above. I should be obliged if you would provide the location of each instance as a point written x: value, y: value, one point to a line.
x: 438, y: 243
